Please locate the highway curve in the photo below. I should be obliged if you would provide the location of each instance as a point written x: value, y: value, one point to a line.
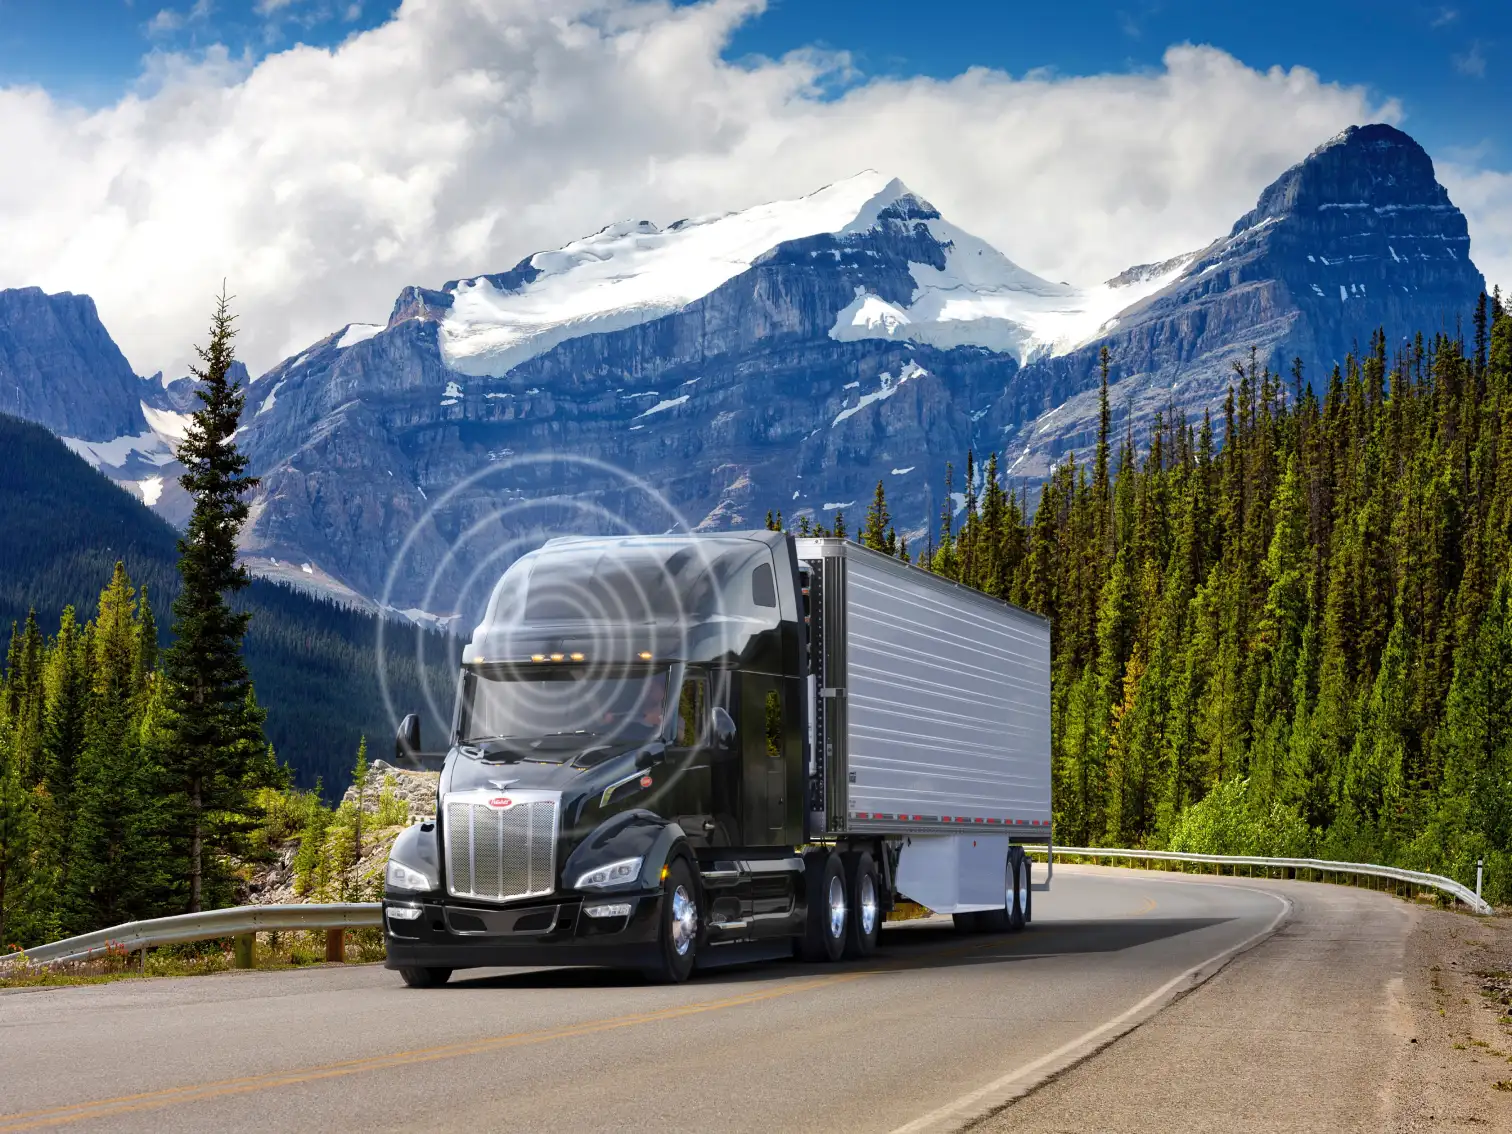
x: 935, y: 1030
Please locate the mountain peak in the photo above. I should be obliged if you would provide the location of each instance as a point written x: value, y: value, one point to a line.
x: 633, y: 271
x: 1375, y: 167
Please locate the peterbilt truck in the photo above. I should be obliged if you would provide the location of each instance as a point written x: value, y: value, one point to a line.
x: 670, y: 752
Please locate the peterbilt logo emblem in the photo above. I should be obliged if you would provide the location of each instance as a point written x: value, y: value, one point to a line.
x: 501, y: 801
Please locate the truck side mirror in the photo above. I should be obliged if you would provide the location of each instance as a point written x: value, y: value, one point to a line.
x: 724, y: 726
x: 407, y: 740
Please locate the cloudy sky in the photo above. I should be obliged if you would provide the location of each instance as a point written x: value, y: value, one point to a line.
x: 320, y: 154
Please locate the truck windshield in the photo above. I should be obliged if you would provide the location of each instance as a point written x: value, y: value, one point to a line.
x: 564, y: 702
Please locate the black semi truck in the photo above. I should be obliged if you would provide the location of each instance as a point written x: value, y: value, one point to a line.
x: 673, y: 751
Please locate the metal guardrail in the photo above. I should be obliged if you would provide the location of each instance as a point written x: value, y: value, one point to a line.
x: 135, y: 935
x: 1449, y: 886
x: 204, y: 926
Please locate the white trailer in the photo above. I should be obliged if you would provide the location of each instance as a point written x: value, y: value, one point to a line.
x: 929, y: 725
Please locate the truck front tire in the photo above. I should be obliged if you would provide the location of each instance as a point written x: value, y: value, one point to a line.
x: 828, y: 908
x: 425, y: 978
x: 681, y: 926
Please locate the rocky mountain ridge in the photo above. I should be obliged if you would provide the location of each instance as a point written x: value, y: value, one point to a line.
x: 791, y: 356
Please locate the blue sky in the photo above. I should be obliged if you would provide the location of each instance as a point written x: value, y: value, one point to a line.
x: 1450, y: 65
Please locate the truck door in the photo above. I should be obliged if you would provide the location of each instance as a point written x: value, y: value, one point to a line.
x: 688, y: 758
x: 761, y: 733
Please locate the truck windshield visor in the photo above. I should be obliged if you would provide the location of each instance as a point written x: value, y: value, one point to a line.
x: 563, y: 702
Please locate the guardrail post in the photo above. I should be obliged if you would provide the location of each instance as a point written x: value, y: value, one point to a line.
x: 245, y: 946
x: 335, y: 946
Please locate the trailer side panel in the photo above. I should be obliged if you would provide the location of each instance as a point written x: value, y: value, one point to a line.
x: 946, y: 703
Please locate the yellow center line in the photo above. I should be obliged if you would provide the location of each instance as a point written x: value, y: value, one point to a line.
x: 196, y: 1092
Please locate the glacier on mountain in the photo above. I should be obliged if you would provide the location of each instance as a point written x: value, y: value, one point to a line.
x: 633, y: 272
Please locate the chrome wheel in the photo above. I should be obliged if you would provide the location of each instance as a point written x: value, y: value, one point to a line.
x: 1021, y: 882
x: 868, y: 904
x: 837, y: 907
x: 684, y: 921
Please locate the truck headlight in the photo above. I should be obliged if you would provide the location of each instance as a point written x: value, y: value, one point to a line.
x: 621, y: 873
x: 401, y: 877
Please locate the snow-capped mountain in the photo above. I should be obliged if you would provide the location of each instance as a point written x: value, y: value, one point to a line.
x: 786, y: 356
x: 1358, y: 236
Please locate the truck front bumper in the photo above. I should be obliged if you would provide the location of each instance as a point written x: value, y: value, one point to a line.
x: 450, y: 935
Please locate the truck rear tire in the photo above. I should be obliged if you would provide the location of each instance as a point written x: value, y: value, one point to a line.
x: 1019, y: 861
x: 828, y: 909
x: 425, y: 978
x: 680, y: 928
x: 865, y: 920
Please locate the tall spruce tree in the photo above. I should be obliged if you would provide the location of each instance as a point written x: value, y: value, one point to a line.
x: 210, y: 729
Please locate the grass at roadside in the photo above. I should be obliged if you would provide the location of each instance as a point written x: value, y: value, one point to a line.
x: 275, y: 951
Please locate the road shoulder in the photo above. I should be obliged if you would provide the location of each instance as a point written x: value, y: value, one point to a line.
x: 1333, y: 1024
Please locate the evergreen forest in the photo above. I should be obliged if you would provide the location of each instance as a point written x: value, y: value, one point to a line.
x: 1287, y: 631
x: 63, y: 527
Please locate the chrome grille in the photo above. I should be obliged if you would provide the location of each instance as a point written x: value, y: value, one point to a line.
x: 501, y: 853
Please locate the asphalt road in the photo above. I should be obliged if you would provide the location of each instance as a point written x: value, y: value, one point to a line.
x: 933, y: 1030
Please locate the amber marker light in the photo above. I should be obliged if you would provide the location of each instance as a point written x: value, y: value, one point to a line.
x: 645, y: 655
x: 576, y: 657
x: 537, y: 657
x: 557, y: 657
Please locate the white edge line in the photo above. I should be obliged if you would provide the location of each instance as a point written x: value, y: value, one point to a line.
x: 1003, y: 1090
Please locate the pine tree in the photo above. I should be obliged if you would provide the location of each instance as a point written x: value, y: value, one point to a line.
x: 115, y: 863
x: 16, y: 825
x: 65, y: 737
x: 207, y: 682
x: 875, y: 533
x: 359, y: 785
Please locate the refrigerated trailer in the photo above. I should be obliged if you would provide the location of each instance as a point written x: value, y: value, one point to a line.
x: 671, y: 752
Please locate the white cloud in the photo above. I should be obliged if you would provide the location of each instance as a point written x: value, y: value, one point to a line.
x: 464, y: 134
x: 1472, y: 62
x: 1486, y: 197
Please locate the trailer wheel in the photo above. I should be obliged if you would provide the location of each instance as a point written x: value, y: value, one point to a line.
x: 425, y: 978
x: 1010, y: 917
x: 1019, y: 861
x: 865, y: 920
x: 677, y: 938
x: 828, y: 909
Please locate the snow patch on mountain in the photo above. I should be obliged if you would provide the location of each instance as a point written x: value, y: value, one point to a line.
x: 664, y: 404
x: 630, y: 273
x: 889, y: 387
x: 981, y: 298
x: 357, y: 333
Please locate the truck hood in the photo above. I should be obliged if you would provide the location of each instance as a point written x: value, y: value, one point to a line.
x: 583, y: 772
